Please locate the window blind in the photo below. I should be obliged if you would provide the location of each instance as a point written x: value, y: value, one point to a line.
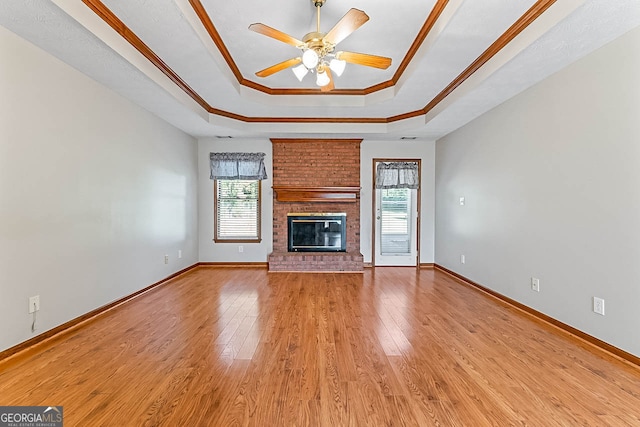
x: 237, y: 210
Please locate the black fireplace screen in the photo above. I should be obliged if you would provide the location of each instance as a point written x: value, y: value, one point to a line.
x: 317, y: 232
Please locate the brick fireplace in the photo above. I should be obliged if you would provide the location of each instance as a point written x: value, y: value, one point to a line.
x: 316, y: 176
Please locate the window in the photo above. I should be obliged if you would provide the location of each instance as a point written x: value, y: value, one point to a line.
x: 236, y: 187
x: 237, y: 210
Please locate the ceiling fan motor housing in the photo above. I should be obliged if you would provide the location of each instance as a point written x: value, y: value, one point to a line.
x: 315, y: 41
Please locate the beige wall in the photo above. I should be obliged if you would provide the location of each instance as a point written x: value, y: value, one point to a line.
x: 551, y: 180
x: 226, y: 252
x: 94, y: 191
x: 423, y: 150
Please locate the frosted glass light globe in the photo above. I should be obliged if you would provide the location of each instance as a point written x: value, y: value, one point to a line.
x: 300, y: 71
x: 337, y: 66
x: 322, y: 79
x: 310, y: 58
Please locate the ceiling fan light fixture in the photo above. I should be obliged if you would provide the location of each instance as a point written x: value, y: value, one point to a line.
x: 318, y: 49
x: 323, y: 78
x: 300, y: 71
x: 337, y: 66
x: 310, y: 58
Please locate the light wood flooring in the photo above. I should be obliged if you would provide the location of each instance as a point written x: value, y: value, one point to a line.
x: 390, y: 347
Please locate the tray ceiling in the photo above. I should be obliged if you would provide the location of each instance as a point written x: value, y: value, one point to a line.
x: 192, y: 62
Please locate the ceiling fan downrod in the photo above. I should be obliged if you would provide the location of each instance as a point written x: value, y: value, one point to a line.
x: 318, y: 4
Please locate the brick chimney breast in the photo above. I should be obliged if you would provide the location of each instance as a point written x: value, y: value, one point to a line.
x: 316, y: 164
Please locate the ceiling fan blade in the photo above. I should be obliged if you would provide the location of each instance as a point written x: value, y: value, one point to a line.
x: 350, y: 22
x: 279, y: 67
x: 381, y: 62
x: 329, y: 86
x: 265, y: 30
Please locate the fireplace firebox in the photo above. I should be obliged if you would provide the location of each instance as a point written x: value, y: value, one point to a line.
x: 317, y: 232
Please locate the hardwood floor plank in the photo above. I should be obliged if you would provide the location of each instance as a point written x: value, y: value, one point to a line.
x: 392, y: 346
x: 251, y: 340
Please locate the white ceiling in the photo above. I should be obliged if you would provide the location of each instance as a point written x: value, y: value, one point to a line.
x: 242, y: 105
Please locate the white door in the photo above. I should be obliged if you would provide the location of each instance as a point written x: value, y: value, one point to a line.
x: 396, y: 227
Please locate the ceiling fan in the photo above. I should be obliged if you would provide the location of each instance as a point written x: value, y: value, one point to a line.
x: 318, y: 49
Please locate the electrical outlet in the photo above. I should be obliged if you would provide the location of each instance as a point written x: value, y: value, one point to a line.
x: 598, y: 305
x: 462, y: 201
x: 166, y: 259
x: 462, y: 259
x: 240, y: 249
x: 179, y: 253
x: 34, y: 304
x: 535, y: 284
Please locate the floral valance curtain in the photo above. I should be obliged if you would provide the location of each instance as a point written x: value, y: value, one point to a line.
x: 234, y: 166
x: 397, y: 175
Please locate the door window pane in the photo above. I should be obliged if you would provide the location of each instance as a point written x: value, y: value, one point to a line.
x: 395, y: 224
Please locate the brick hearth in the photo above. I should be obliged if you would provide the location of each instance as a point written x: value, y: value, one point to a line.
x: 315, y: 164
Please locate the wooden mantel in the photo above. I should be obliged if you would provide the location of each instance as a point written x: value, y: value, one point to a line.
x: 316, y: 194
